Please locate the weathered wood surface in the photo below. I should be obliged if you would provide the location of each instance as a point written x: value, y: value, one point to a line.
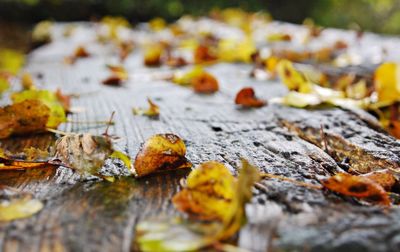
x: 84, y: 215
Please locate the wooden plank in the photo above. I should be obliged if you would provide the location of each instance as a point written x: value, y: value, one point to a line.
x: 92, y: 215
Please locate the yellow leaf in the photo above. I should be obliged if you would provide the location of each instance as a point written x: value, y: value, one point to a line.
x: 152, y: 111
x: 292, y: 78
x: 231, y: 50
x: 42, y: 31
x: 11, y: 60
x: 57, y: 113
x: 27, y: 81
x: 4, y: 85
x: 387, y: 82
x: 157, y: 24
x: 159, y: 153
x: 185, y: 78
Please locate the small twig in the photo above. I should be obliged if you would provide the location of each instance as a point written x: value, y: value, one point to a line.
x: 108, y: 125
x: 91, y: 122
x: 57, y: 132
x: 293, y: 181
x: 324, y: 140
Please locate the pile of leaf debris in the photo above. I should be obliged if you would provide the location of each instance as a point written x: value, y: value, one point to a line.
x: 212, y: 198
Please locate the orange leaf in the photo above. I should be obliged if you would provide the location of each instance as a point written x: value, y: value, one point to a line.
x: 357, y: 186
x: 205, y: 83
x: 247, y: 98
x: 203, y: 54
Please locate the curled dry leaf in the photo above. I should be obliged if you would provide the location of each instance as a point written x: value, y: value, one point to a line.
x: 118, y: 75
x: 180, y: 235
x: 80, y: 52
x: 185, y: 78
x: 210, y: 188
x: 246, y: 97
x: 159, y: 153
x: 204, y: 54
x: 152, y: 55
x: 176, y: 61
x: 15, y: 205
x: 360, y: 187
x: 152, y: 111
x: 28, y: 116
x: 205, y: 83
x: 83, y: 152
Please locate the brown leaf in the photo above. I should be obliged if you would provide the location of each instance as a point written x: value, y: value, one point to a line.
x: 246, y: 97
x: 384, y: 178
x: 28, y: 116
x: 80, y: 52
x: 205, y: 83
x: 357, y: 186
x: 159, y: 153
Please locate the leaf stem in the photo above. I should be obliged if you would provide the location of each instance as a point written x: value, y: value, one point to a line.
x: 293, y: 181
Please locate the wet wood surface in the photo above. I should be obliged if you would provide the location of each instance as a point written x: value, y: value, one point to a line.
x: 92, y: 215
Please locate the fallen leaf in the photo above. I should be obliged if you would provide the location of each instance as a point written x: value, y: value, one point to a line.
x: 11, y: 60
x: 118, y: 75
x: 386, y: 82
x: 385, y: 178
x: 157, y: 24
x: 80, y: 52
x: 185, y: 78
x: 42, y: 32
x: 4, y: 84
x: 48, y: 98
x: 357, y: 186
x: 246, y: 97
x: 293, y: 79
x: 205, y: 83
x: 209, y: 190
x: 27, y: 82
x: 152, y: 111
x: 230, y: 50
x: 27, y: 116
x: 159, y: 153
x: 125, y: 48
x: 180, y: 235
x: 279, y: 37
x: 204, y: 54
x: 152, y: 55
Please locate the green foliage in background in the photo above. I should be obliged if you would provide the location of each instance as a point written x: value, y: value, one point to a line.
x: 374, y: 15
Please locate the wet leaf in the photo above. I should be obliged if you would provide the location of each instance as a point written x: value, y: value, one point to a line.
x: 15, y: 206
x: 27, y: 116
x: 205, y: 83
x: 159, y: 153
x: 357, y: 186
x: 152, y: 111
x: 246, y: 97
x: 48, y: 98
x: 386, y: 82
x: 210, y: 188
x: 180, y: 235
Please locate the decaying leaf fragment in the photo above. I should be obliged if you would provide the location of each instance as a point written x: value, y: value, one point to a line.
x: 25, y: 117
x: 85, y: 153
x: 152, y: 111
x: 360, y: 187
x: 246, y: 97
x: 205, y: 83
x: 159, y: 153
x: 15, y: 205
x: 181, y: 235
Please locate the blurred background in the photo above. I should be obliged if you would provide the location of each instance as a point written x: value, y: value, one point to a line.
x: 18, y: 16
